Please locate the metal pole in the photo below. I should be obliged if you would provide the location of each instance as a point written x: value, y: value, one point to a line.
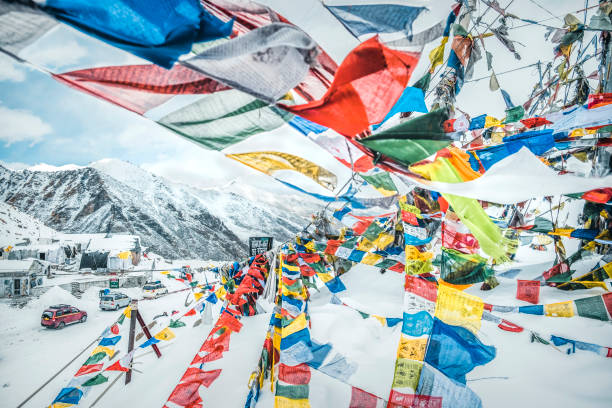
x: 134, y: 310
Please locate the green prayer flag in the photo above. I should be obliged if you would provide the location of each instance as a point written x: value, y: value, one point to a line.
x: 424, y: 82
x: 176, y: 323
x: 514, y: 114
x: 121, y: 319
x: 407, y: 373
x: 98, y: 379
x: 294, y: 392
x: 363, y: 314
x: 373, y: 231
x: 224, y: 118
x: 380, y: 180
x: 463, y: 269
x: 413, y: 140
x: 473, y: 216
x: 592, y: 307
x: 95, y: 358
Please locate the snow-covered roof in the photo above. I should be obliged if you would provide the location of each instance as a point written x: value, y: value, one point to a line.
x: 15, y: 265
x: 114, y: 243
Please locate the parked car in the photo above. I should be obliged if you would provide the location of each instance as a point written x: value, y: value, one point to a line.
x: 114, y: 301
x: 154, y: 290
x: 58, y: 316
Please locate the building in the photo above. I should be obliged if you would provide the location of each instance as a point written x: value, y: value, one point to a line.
x: 18, y: 277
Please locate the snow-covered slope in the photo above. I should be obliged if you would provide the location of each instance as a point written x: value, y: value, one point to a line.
x: 16, y: 226
x: 172, y: 219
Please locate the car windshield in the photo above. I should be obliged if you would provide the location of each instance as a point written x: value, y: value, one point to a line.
x: 48, y: 315
x: 149, y: 287
x: 107, y: 298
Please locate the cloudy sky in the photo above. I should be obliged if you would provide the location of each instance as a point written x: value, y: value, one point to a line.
x: 44, y: 121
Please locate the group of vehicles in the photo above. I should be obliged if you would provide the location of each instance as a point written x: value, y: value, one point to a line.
x: 61, y: 315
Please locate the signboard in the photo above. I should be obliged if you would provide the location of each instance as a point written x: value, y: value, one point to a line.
x: 113, y: 283
x: 259, y: 245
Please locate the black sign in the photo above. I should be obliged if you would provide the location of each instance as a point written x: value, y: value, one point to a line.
x: 259, y: 245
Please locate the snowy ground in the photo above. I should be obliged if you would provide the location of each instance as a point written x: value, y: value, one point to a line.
x: 523, y: 373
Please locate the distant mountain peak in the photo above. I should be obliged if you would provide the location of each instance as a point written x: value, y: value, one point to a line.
x: 174, y: 220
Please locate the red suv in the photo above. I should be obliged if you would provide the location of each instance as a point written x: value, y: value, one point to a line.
x: 59, y: 316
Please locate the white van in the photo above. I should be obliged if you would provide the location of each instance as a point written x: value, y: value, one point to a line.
x: 114, y: 301
x: 153, y: 290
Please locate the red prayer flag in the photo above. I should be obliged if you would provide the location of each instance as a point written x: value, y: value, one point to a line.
x: 421, y: 287
x: 115, y: 329
x: 607, y: 298
x: 600, y: 195
x: 535, y: 122
x: 309, y: 258
x: 191, y: 312
x: 597, y: 100
x: 400, y: 400
x: 509, y: 326
x: 462, y: 242
x: 362, y: 399
x: 296, y: 375
x: 139, y: 88
x: 229, y: 321
x: 116, y: 366
x: 398, y: 267
x: 88, y: 369
x: 186, y: 395
x: 366, y: 85
x: 528, y: 290
x: 205, y: 378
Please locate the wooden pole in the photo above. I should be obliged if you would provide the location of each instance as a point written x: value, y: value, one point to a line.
x: 147, y: 333
x: 134, y: 311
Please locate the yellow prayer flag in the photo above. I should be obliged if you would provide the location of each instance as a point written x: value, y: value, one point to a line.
x: 490, y: 121
x: 407, y: 373
x: 384, y: 240
x: 165, y: 334
x: 283, y: 402
x: 296, y: 325
x: 127, y: 312
x: 103, y: 349
x: 561, y: 309
x: 197, y: 296
x: 366, y: 245
x: 220, y: 293
x: 371, y: 258
x: 436, y: 56
x: 270, y: 162
x: 411, y: 348
x: 325, y: 276
x: 459, y: 308
x: 310, y: 246
x: 61, y: 405
x: 165, y: 272
x: 123, y: 255
x: 380, y: 319
x: 564, y: 232
x: 608, y: 268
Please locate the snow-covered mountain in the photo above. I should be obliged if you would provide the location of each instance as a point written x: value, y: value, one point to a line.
x: 16, y: 226
x: 174, y: 220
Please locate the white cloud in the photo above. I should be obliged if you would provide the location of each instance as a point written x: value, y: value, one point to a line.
x: 10, y: 70
x: 56, y: 56
x: 21, y: 125
x: 14, y: 165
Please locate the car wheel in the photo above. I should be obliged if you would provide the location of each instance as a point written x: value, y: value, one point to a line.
x: 84, y: 319
x: 116, y: 308
x: 61, y: 325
